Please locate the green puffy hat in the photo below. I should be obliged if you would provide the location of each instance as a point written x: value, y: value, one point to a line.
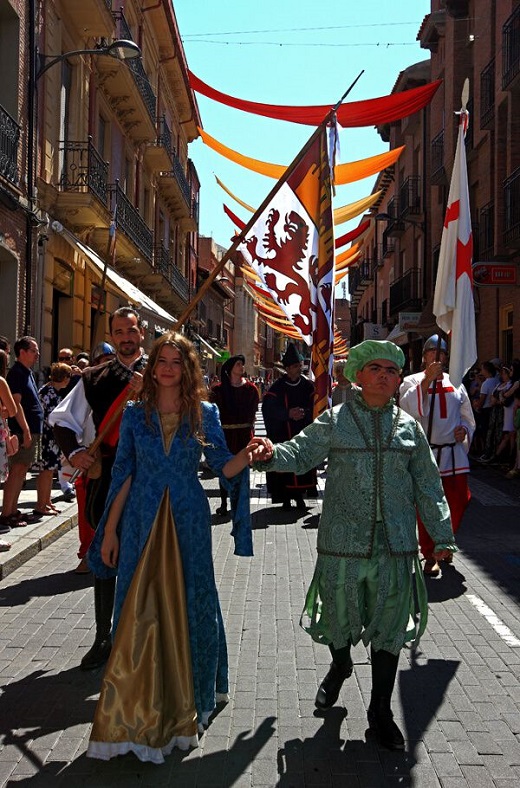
x: 370, y: 350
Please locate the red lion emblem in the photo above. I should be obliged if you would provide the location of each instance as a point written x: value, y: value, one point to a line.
x: 288, y: 255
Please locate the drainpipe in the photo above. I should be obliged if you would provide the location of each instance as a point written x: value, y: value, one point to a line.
x: 31, y: 88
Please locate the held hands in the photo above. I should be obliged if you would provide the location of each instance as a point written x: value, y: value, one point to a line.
x: 110, y: 549
x: 259, y: 450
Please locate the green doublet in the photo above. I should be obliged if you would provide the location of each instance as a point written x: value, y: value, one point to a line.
x: 380, y: 468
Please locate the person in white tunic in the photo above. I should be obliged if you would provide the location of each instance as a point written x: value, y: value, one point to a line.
x: 452, y: 429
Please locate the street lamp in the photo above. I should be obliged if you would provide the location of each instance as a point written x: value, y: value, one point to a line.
x: 121, y: 49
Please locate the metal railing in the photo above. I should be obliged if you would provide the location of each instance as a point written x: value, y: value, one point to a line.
x: 410, y: 196
x: 486, y: 230
x: 437, y: 157
x: 83, y: 169
x: 511, y: 48
x: 9, y: 139
x: 512, y: 206
x: 487, y: 95
x: 130, y: 222
x: 135, y: 65
x: 164, y: 136
x: 405, y: 292
x: 164, y: 265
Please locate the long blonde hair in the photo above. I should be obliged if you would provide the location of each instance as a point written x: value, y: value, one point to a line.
x: 192, y: 388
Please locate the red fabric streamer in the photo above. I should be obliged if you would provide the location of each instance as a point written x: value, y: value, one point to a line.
x: 352, y: 235
x: 234, y: 218
x: 370, y: 112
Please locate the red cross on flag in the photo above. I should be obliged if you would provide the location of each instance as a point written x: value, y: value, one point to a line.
x: 453, y: 304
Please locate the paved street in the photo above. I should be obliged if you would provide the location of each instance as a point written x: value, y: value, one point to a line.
x: 458, y: 695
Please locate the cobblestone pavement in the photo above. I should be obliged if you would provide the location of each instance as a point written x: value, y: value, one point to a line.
x: 457, y: 699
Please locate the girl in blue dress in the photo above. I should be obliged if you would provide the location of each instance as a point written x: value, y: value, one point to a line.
x: 168, y: 667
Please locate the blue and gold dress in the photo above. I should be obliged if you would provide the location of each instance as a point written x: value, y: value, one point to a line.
x: 168, y: 667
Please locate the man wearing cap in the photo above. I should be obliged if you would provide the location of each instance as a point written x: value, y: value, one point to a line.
x: 98, y: 395
x: 237, y: 401
x: 287, y: 408
x: 452, y: 428
x: 380, y: 468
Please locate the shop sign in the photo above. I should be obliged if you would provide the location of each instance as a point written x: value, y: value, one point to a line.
x: 494, y: 274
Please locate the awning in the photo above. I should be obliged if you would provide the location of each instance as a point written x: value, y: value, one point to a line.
x: 397, y: 336
x: 208, y: 346
x: 128, y: 290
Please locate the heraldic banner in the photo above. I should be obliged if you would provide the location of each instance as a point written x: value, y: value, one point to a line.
x: 290, y: 245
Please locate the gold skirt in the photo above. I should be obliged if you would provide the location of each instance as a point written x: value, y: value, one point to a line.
x: 147, y: 703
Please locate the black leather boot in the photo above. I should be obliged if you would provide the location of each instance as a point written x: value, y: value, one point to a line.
x: 340, y: 669
x: 104, y: 591
x: 380, y: 717
x: 381, y: 721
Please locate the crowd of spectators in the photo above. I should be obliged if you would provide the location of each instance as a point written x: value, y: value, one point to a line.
x: 494, y: 390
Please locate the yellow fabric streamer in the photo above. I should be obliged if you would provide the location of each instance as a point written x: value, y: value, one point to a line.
x: 343, y: 214
x: 344, y: 173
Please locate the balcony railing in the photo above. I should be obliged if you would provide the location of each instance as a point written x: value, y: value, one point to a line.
x: 487, y: 96
x: 486, y: 230
x: 511, y: 48
x: 178, y: 173
x: 438, y: 173
x: 360, y: 276
x: 164, y: 265
x: 136, y: 67
x: 131, y: 223
x: 9, y: 138
x: 83, y: 169
x: 409, y: 196
x: 512, y: 206
x: 405, y: 292
x: 164, y: 136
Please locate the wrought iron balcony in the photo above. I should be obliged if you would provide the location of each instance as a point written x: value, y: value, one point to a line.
x: 163, y: 264
x: 405, y: 292
x: 9, y: 138
x: 511, y: 50
x: 130, y: 222
x: 487, y: 96
x: 136, y: 67
x: 180, y: 177
x: 438, y: 173
x: 409, y: 197
x: 486, y: 231
x: 83, y: 169
x: 395, y: 227
x: 164, y: 137
x: 512, y: 206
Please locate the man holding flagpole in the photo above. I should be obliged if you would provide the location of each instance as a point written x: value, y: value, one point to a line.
x: 437, y: 400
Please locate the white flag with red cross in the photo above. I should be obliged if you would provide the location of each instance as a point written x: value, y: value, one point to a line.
x: 453, y: 304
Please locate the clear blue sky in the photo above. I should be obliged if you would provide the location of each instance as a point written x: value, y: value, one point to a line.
x: 288, y: 52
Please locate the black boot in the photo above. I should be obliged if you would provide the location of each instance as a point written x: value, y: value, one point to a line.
x: 380, y: 717
x: 104, y: 591
x: 222, y: 509
x: 340, y: 669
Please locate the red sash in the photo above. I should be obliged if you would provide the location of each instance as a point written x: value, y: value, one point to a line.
x: 112, y: 436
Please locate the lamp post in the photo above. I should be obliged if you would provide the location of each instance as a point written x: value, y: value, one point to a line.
x: 385, y: 217
x: 121, y: 49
